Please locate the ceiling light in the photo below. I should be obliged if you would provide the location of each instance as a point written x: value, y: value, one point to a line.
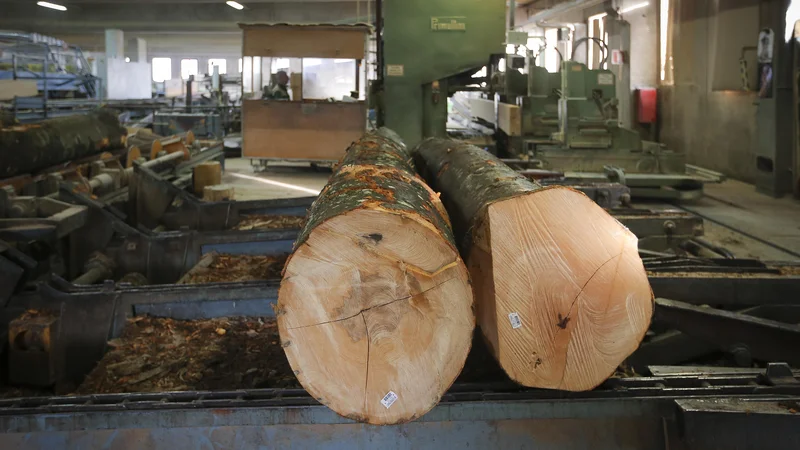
x: 235, y: 5
x: 633, y: 7
x: 127, y: 59
x: 52, y: 6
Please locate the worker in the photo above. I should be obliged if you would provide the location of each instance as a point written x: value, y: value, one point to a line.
x: 278, y: 89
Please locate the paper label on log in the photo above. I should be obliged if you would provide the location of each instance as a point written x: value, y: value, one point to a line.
x: 389, y: 399
x: 516, y: 322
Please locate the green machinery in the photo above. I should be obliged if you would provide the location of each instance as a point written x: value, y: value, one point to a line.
x: 430, y: 49
x: 425, y: 48
x: 569, y: 122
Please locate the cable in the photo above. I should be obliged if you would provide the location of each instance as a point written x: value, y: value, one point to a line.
x: 600, y: 43
x: 544, y: 46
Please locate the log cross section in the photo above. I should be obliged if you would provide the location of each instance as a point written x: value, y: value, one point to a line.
x: 562, y: 295
x: 375, y: 306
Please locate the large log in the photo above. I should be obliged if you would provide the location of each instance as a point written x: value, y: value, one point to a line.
x: 375, y: 307
x: 561, y: 292
x: 32, y: 147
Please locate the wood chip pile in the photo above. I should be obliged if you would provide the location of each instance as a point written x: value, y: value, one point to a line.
x: 158, y: 354
x: 222, y: 268
x: 268, y: 222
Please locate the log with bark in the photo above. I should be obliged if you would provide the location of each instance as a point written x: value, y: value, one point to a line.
x: 562, y: 295
x: 33, y: 147
x: 375, y: 307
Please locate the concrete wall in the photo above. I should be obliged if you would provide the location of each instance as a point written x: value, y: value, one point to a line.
x: 700, y: 114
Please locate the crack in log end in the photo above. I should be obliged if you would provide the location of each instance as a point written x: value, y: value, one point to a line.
x: 376, y: 237
x: 373, y: 307
x: 562, y: 321
x: 566, y: 318
x: 366, y: 375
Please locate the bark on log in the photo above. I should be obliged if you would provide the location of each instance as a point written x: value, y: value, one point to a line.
x: 375, y: 307
x: 561, y: 292
x: 33, y: 147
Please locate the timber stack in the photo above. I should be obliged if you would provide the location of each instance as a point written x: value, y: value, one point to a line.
x: 32, y: 147
x: 562, y: 295
x: 375, y: 306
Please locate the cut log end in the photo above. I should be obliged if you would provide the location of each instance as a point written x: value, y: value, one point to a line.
x: 561, y: 303
x: 375, y: 315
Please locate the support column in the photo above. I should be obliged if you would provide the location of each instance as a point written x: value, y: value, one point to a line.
x: 115, y: 44
x: 619, y: 36
x: 141, y: 50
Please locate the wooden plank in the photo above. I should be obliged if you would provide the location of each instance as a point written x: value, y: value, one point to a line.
x: 509, y: 116
x: 17, y: 88
x: 304, y: 42
x: 300, y: 130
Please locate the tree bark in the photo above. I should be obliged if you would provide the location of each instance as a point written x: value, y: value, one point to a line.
x: 561, y: 292
x: 375, y: 309
x: 32, y: 147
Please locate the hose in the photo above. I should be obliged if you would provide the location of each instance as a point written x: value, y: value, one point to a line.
x: 600, y: 43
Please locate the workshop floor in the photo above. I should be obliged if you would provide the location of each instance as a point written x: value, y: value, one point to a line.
x: 279, y: 181
x: 750, y: 224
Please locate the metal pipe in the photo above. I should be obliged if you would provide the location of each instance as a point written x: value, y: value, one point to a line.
x: 160, y: 160
x: 512, y: 6
x: 93, y: 275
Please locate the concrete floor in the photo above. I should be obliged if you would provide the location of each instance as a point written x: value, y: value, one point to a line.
x: 766, y: 228
x: 766, y: 224
x: 296, y: 180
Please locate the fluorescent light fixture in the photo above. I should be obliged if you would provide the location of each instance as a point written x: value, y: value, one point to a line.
x: 634, y: 7
x: 235, y: 5
x: 52, y: 6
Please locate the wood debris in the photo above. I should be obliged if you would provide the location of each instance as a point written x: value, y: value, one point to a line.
x: 223, y: 268
x: 269, y: 222
x: 160, y: 355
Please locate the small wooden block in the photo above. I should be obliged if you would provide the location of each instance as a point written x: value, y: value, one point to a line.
x: 218, y: 193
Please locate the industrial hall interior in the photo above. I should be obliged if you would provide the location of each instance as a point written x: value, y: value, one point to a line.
x: 400, y: 224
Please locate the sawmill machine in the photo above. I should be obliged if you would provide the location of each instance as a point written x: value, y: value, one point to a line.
x: 570, y: 122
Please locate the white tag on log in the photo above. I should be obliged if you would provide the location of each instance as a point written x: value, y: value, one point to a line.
x: 516, y: 322
x: 389, y: 399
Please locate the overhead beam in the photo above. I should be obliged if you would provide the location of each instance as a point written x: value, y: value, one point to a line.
x: 176, y: 16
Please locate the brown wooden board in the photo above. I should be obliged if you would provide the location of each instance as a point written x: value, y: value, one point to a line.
x: 300, y: 130
x: 304, y: 41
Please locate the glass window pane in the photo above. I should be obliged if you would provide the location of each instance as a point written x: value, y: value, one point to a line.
x: 188, y: 68
x: 162, y: 69
x: 223, y: 66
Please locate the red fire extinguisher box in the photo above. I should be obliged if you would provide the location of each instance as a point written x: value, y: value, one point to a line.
x: 646, y: 105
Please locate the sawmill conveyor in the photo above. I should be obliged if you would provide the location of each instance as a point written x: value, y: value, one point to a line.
x: 727, y: 365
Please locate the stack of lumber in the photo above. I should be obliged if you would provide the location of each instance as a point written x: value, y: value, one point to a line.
x: 562, y: 295
x: 375, y: 307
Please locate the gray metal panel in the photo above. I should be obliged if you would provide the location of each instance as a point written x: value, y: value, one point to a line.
x: 622, y: 424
